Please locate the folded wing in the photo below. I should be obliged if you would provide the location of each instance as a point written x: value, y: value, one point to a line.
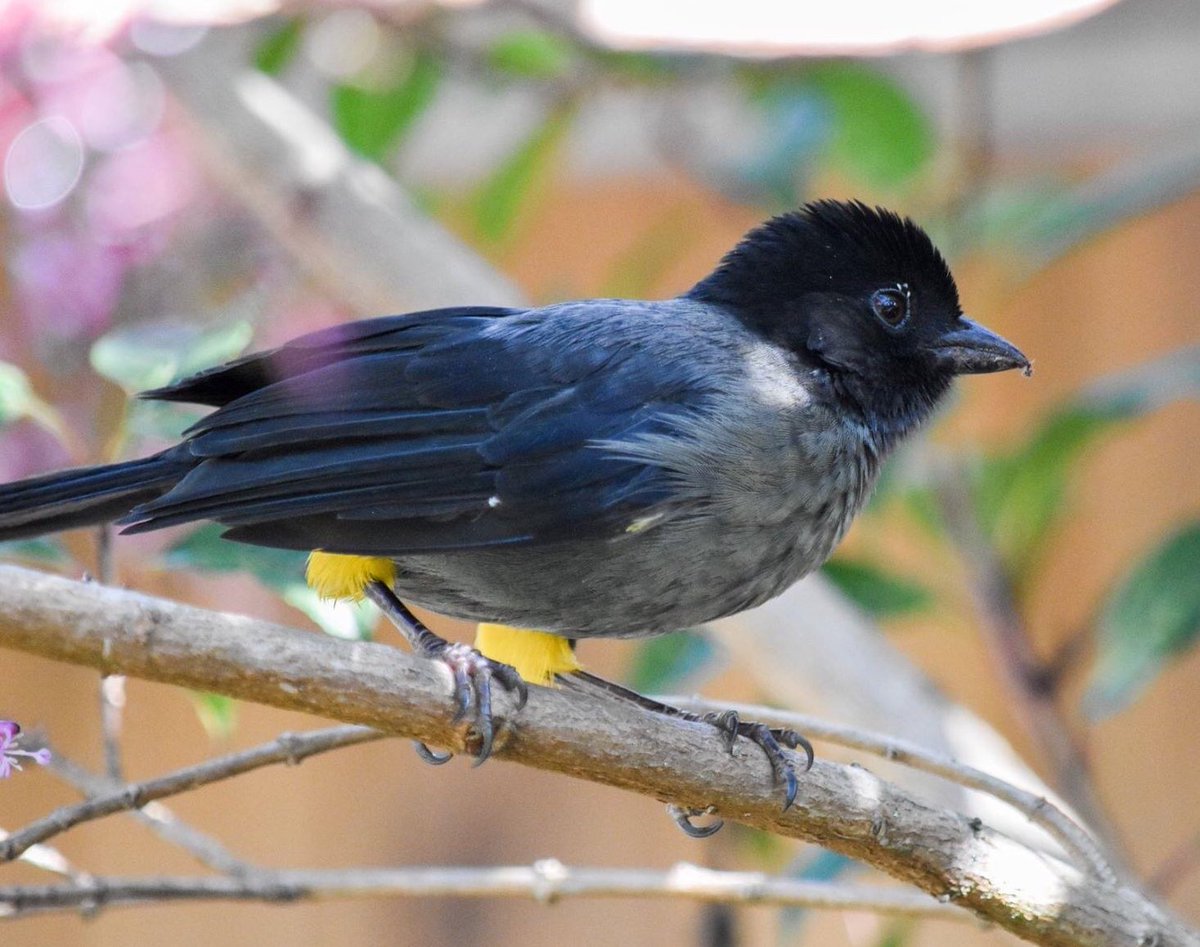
x: 444, y: 430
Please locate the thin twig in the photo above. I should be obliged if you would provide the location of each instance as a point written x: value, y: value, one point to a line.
x: 545, y: 881
x: 287, y: 748
x: 160, y: 819
x: 112, y: 687
x: 1035, y: 700
x: 1038, y: 809
x: 50, y: 859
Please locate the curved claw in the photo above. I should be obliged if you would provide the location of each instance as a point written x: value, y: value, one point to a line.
x: 432, y: 757
x: 464, y: 690
x: 683, y: 819
x: 473, y: 676
x: 484, y: 725
x: 782, y: 767
x: 797, y: 741
x: 510, y: 680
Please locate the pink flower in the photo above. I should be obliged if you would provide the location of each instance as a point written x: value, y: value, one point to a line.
x: 10, y: 752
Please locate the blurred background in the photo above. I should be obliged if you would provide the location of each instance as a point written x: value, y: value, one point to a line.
x: 184, y: 181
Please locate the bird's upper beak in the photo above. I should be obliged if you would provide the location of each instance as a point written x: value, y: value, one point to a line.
x: 970, y: 349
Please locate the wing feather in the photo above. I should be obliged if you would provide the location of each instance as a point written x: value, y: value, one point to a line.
x: 422, y: 433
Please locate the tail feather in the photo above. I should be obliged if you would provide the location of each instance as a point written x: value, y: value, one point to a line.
x: 84, y: 496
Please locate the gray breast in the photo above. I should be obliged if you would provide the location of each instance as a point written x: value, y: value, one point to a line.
x: 769, y: 479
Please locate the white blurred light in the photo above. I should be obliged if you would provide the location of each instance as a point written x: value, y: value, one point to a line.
x: 791, y: 27
x: 43, y: 164
x: 164, y: 39
x: 343, y: 43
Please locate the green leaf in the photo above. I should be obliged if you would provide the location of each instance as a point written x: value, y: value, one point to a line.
x: 354, y: 621
x: 34, y: 550
x: 160, y: 420
x: 204, y: 550
x: 531, y: 54
x: 279, y: 48
x: 879, y: 593
x: 1152, y: 616
x: 651, y: 69
x: 504, y: 193
x: 1021, y: 495
x: 879, y: 135
x: 814, y: 864
x: 1104, y: 201
x: 215, y: 345
x: 662, y: 663
x: 149, y: 355
x: 373, y: 121
x: 897, y: 933
x: 281, y: 570
x: 18, y: 401
x: 217, y: 713
x: 16, y: 394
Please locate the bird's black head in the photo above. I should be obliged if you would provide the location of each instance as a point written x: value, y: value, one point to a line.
x: 863, y: 293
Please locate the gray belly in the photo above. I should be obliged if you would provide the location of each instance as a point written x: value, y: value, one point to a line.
x: 679, y: 574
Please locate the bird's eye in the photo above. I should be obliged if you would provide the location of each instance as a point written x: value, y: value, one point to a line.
x: 890, y: 305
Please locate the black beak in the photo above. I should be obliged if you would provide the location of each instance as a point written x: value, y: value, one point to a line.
x: 970, y: 349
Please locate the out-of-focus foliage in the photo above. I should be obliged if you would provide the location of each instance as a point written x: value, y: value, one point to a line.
x: 664, y: 664
x: 217, y: 714
x: 281, y: 570
x: 280, y: 47
x: 1152, y: 616
x: 374, y: 119
x: 1022, y: 494
x: 531, y: 54
x: 149, y: 354
x: 837, y: 114
x: 34, y: 550
x: 16, y: 396
x: 878, y: 592
x: 511, y: 184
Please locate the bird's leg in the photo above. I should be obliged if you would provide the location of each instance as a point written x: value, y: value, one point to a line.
x: 473, y: 673
x: 731, y: 726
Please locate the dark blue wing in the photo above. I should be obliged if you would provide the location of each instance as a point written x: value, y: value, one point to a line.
x: 436, y: 431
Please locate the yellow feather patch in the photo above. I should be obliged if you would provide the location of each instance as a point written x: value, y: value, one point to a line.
x: 536, y: 655
x: 335, y: 576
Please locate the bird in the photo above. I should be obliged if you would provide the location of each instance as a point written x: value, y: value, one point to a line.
x: 597, y: 468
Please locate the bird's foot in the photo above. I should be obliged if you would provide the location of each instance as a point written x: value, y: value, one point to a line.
x: 472, y: 673
x: 683, y: 818
x: 473, y: 676
x: 771, y: 741
x: 730, y: 726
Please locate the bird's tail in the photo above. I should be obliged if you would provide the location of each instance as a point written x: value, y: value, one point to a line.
x: 84, y: 496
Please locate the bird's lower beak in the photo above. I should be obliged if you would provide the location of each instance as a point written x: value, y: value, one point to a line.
x: 973, y: 350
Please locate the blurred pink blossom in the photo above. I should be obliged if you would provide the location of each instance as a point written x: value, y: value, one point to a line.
x: 66, y: 284
x: 138, y: 186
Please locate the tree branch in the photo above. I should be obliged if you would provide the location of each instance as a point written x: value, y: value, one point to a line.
x: 611, y: 742
x: 289, y: 748
x: 1038, y: 809
x: 546, y: 881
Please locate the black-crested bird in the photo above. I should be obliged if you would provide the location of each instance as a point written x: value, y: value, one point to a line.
x: 608, y: 467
